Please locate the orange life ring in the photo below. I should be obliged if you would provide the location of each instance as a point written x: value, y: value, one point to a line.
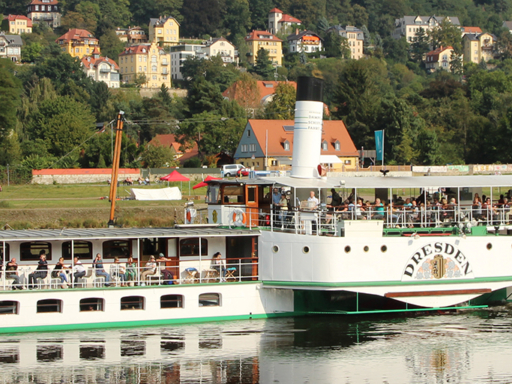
x: 237, y: 214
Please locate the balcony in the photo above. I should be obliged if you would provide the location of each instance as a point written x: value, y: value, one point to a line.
x: 164, y: 63
x: 105, y: 70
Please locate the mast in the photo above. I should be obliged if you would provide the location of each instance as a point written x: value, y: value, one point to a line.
x: 115, y: 167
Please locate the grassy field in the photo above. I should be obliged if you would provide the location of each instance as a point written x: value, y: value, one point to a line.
x: 85, y: 205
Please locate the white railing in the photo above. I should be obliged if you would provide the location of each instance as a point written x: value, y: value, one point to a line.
x: 199, y: 271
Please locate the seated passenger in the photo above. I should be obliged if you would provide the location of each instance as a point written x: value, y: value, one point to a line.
x: 379, y: 210
x: 78, y: 270
x: 118, y: 270
x: 12, y: 273
x: 149, y: 270
x: 219, y: 264
x: 131, y: 271
x: 100, y: 271
x: 41, y: 272
x: 58, y: 272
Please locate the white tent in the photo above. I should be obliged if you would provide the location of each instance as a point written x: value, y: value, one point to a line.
x: 329, y: 159
x: 172, y: 193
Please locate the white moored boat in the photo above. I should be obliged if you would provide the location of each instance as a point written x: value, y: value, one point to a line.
x: 312, y: 257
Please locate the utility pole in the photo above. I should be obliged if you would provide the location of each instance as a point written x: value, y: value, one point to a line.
x: 115, y: 167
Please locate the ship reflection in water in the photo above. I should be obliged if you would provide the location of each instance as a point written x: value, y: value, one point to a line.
x: 471, y: 347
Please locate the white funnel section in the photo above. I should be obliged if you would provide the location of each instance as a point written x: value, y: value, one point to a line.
x: 307, y: 132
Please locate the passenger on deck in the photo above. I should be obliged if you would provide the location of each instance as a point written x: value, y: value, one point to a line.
x: 149, y: 270
x: 335, y: 199
x: 167, y: 273
x: 118, y: 270
x: 11, y: 273
x: 379, y: 210
x: 78, y: 270
x: 491, y: 213
x: 283, y: 205
x: 41, y: 272
x: 131, y: 271
x: 58, y: 272
x: 312, y: 200
x: 219, y: 264
x: 100, y: 270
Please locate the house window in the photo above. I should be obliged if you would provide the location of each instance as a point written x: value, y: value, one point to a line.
x: 286, y: 146
x: 49, y: 305
x: 324, y: 145
x: 92, y: 304
x: 190, y: 247
x: 9, y: 307
x: 348, y: 162
x: 171, y: 301
x: 274, y: 163
x: 252, y: 147
x: 244, y: 148
x: 130, y: 303
x: 337, y: 145
x: 248, y: 133
x: 209, y: 300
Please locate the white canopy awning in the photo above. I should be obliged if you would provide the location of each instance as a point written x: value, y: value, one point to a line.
x: 171, y: 193
x: 329, y: 159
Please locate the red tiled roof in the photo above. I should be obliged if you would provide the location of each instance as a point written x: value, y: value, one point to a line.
x: 91, y: 62
x: 40, y: 2
x: 332, y: 131
x: 471, y: 29
x: 137, y: 50
x: 289, y: 19
x: 77, y: 34
x: 20, y: 17
x: 169, y: 140
x: 435, y: 53
x: 255, y: 36
x: 275, y: 10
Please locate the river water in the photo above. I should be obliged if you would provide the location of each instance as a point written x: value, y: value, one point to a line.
x: 466, y: 347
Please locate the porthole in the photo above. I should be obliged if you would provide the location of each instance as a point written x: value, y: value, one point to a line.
x: 383, y: 248
x: 347, y: 249
x: 275, y: 249
x: 305, y: 249
x: 366, y: 248
x: 489, y: 246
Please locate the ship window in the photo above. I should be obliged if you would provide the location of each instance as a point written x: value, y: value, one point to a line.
x: 347, y: 249
x: 132, y: 303
x: 212, y: 194
x: 190, y: 247
x: 489, y: 246
x: 171, y: 301
x: 305, y: 249
x: 91, y: 304
x: 383, y: 248
x: 366, y: 248
x: 9, y: 307
x: 113, y: 248
x: 232, y: 194
x: 4, y: 255
x: 49, y: 305
x: 209, y: 300
x: 81, y: 249
x: 275, y: 249
x: 30, y: 251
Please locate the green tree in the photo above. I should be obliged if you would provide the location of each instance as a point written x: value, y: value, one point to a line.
x: 445, y: 35
x: 31, y: 52
x: 420, y: 46
x: 204, y: 17
x: 204, y: 96
x: 63, y: 124
x: 140, y: 80
x: 110, y: 44
x: 263, y: 65
x: 259, y: 13
x: 282, y: 106
x: 237, y: 20
x: 10, y: 97
x: 332, y: 45
x: 158, y: 156
x: 144, y: 10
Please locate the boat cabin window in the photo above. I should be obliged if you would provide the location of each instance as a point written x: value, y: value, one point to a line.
x: 30, y: 251
x: 49, y: 305
x: 265, y: 194
x: 132, y: 303
x: 153, y: 246
x: 81, y: 249
x: 232, y: 194
x: 212, y: 194
x: 209, y: 300
x: 9, y: 307
x: 7, y: 252
x: 120, y: 248
x: 190, y: 247
x: 171, y: 301
x: 91, y: 304
x: 251, y: 194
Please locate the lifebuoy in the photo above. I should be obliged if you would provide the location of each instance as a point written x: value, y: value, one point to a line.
x: 239, y: 217
x: 189, y: 216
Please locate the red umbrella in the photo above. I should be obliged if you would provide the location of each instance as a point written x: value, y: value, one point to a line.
x: 175, y: 176
x: 203, y: 184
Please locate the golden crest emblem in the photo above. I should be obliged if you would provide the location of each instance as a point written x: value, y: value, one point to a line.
x: 438, y: 264
x: 214, y: 216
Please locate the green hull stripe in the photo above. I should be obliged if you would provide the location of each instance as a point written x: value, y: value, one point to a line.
x: 387, y: 283
x: 395, y: 310
x: 139, y: 323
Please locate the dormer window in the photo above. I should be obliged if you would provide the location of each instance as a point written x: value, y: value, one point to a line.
x: 324, y: 145
x: 336, y: 145
x: 286, y: 145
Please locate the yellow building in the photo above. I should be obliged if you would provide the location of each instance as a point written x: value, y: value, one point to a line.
x: 149, y: 60
x: 17, y: 24
x: 78, y: 43
x: 478, y: 47
x: 165, y: 31
x: 263, y: 39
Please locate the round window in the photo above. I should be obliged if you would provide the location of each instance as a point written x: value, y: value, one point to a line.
x: 366, y: 248
x: 489, y: 246
x: 305, y: 249
x: 275, y: 249
x: 383, y: 248
x: 347, y: 249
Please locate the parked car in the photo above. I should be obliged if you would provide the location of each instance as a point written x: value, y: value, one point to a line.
x: 243, y: 172
x: 231, y: 169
